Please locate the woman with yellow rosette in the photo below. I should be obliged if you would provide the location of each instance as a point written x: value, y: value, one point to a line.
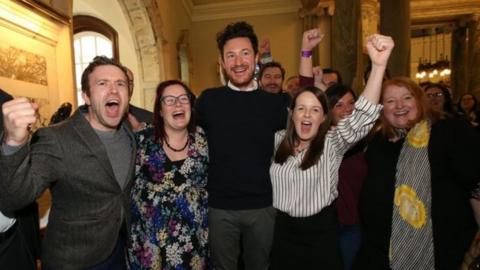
x: 422, y: 172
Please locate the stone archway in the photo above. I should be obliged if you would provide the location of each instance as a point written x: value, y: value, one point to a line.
x: 145, y: 24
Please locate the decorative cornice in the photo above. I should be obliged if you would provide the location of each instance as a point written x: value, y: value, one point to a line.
x: 425, y: 10
x: 236, y: 9
x: 419, y: 9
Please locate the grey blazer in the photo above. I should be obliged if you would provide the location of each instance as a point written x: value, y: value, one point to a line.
x: 89, y: 207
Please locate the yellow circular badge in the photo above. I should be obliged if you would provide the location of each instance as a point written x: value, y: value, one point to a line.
x: 411, y: 209
x: 419, y: 135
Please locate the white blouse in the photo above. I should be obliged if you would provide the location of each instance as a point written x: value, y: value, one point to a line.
x: 303, y: 193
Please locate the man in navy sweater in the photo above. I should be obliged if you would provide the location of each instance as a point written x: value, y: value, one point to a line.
x: 240, y: 121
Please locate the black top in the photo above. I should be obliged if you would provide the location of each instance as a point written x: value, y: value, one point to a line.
x: 240, y: 128
x: 27, y: 220
x: 142, y: 115
x: 453, y: 149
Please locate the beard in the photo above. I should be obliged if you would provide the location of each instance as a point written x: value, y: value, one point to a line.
x: 273, y: 88
x: 242, y: 81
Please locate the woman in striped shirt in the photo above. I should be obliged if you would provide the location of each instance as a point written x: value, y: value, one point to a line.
x: 305, y: 169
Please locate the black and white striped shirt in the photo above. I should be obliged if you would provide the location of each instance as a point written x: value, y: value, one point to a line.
x: 303, y: 193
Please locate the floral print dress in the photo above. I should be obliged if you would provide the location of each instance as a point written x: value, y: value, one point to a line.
x: 169, y: 228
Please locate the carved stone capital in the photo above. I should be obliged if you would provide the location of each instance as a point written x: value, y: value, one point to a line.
x: 370, y: 10
x: 317, y: 8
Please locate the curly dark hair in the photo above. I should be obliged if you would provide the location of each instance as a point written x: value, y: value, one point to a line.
x: 236, y: 30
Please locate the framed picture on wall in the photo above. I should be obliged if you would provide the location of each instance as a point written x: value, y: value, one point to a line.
x: 28, y: 68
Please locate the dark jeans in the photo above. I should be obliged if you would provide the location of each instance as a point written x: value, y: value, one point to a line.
x: 14, y: 251
x: 350, y: 238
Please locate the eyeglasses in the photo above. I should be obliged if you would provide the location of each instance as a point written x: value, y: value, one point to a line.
x: 435, y: 95
x: 172, y: 100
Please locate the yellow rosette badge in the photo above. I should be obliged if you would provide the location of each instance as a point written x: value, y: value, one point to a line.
x: 411, y: 209
x: 419, y: 135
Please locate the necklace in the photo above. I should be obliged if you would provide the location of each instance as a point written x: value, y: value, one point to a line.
x: 175, y: 149
x: 300, y: 148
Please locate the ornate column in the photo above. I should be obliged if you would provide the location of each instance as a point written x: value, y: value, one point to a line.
x: 395, y: 22
x: 316, y: 14
x: 459, y: 58
x: 345, y: 29
x: 370, y: 19
x: 146, y: 26
x: 474, y: 55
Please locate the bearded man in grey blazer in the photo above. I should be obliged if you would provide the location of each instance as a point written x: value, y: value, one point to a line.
x: 87, y: 162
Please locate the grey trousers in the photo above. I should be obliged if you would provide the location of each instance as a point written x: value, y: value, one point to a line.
x: 229, y: 229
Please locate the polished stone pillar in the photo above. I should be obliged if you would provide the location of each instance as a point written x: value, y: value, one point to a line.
x: 317, y: 14
x: 310, y: 21
x: 459, y: 65
x: 474, y: 56
x: 395, y: 22
x: 370, y: 19
x: 345, y: 33
x: 325, y: 47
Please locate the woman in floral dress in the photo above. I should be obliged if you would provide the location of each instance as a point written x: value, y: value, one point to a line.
x: 169, y: 200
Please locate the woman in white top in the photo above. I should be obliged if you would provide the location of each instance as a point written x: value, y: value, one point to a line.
x: 308, y: 154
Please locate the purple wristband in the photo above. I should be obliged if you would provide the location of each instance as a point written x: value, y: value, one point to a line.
x: 306, y: 53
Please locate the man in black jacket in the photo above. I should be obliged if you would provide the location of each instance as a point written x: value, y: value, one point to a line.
x: 19, y: 231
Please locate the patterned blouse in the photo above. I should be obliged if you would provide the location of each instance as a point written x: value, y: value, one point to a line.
x: 169, y: 206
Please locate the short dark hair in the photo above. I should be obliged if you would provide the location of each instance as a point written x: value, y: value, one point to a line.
x: 315, y: 149
x: 272, y: 64
x: 158, y: 123
x: 336, y: 92
x: 459, y: 104
x: 96, y: 62
x: 236, y: 30
x: 448, y: 104
x: 334, y: 71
